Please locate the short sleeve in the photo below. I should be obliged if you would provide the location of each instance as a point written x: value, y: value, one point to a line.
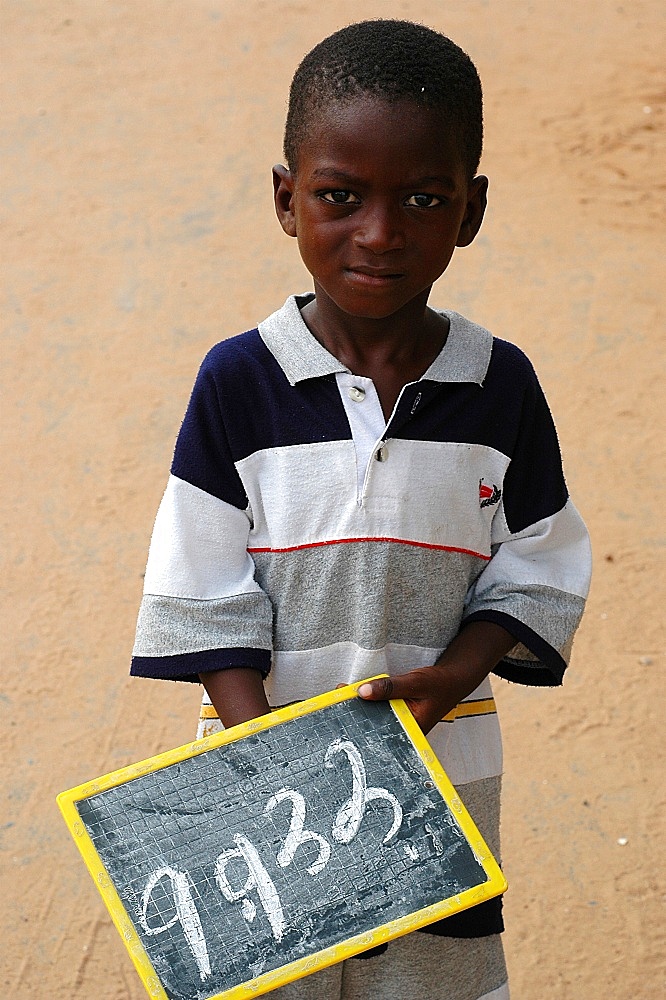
x: 202, y: 609
x: 537, y: 580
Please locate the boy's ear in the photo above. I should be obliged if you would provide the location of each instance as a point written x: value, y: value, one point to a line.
x: 476, y: 207
x: 283, y: 195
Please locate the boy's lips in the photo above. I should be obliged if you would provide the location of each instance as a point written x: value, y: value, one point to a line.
x: 372, y: 275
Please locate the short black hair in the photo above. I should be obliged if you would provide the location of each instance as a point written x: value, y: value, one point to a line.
x: 392, y: 60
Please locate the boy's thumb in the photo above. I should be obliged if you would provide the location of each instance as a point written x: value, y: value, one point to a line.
x: 380, y: 690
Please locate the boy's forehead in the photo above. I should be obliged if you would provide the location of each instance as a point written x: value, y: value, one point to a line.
x: 367, y: 123
x: 384, y: 110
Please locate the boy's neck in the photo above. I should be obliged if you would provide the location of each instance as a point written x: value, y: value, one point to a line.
x: 391, y: 351
x: 409, y: 340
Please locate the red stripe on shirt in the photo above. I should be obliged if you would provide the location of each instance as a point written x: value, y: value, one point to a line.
x: 399, y: 541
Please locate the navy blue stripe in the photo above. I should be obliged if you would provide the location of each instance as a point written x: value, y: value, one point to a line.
x: 188, y: 666
x: 242, y: 402
x: 202, y: 455
x: 479, y: 921
x: 487, y: 414
x: 508, y: 413
x: 548, y: 673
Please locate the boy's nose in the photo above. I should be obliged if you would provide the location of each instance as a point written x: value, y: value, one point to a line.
x: 379, y: 230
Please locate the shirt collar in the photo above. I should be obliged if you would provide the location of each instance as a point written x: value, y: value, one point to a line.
x: 464, y: 358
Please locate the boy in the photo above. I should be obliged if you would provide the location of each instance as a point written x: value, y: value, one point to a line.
x: 366, y: 485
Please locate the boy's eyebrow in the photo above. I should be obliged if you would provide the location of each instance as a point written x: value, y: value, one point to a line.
x: 336, y: 174
x: 333, y: 173
x: 435, y: 179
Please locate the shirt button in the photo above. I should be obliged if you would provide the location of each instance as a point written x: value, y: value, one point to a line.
x: 358, y: 395
x: 382, y: 454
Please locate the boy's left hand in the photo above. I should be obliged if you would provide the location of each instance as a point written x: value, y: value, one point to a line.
x: 432, y: 692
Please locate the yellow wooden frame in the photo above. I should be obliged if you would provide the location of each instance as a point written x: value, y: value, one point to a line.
x: 495, y: 885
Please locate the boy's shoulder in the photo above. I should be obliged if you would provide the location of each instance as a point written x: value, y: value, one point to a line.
x: 280, y: 347
x: 495, y: 359
x: 240, y: 363
x: 509, y: 360
x: 236, y: 349
x: 251, y: 345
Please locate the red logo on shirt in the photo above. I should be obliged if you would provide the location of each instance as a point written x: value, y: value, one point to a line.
x: 488, y: 495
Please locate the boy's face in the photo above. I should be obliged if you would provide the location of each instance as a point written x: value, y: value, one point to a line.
x: 380, y: 200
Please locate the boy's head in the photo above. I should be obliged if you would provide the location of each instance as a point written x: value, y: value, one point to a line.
x: 393, y: 61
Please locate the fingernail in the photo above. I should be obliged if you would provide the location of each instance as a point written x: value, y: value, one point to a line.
x: 365, y: 690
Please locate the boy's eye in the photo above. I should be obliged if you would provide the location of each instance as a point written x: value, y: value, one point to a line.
x: 339, y: 197
x: 423, y: 201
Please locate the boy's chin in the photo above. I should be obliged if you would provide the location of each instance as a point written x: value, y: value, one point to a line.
x: 374, y: 304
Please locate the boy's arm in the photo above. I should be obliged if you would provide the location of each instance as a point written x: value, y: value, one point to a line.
x: 432, y: 692
x: 237, y: 694
x: 202, y: 610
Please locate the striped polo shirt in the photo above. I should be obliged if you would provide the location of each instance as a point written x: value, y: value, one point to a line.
x: 303, y: 534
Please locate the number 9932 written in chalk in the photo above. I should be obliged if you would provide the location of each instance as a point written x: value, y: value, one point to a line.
x: 254, y: 886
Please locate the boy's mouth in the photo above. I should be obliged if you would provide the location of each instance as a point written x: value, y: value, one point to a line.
x: 373, y: 275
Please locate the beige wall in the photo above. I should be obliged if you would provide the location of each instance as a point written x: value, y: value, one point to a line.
x: 137, y: 225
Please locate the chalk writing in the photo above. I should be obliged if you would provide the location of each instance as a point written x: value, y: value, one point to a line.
x: 297, y: 834
x: 185, y: 913
x: 256, y: 878
x: 351, y: 813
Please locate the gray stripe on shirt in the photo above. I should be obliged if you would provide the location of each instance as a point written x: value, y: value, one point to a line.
x: 171, y: 625
x: 369, y: 593
x: 553, y: 614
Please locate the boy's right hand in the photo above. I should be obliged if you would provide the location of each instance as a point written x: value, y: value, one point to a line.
x: 237, y: 694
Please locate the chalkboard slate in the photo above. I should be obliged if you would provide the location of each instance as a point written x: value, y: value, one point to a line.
x: 243, y: 861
